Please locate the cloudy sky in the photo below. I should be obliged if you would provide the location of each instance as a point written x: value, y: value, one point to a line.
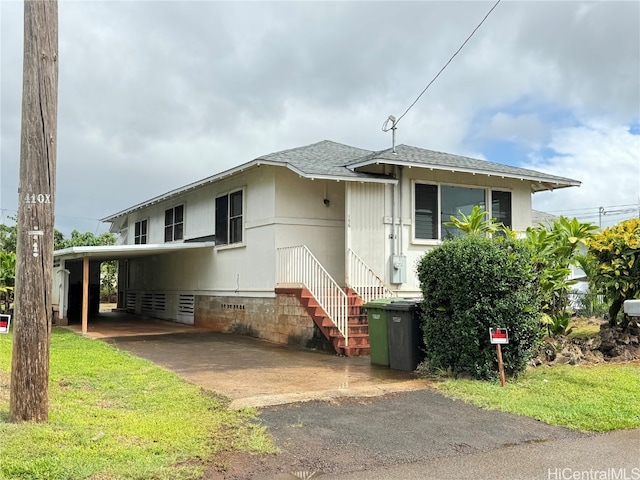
x: 156, y: 94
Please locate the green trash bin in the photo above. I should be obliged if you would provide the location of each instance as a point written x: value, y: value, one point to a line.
x: 405, y: 337
x: 378, y: 331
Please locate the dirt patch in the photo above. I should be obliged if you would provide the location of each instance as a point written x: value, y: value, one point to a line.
x: 597, y: 343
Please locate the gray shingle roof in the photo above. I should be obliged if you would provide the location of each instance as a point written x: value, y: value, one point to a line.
x: 325, y: 158
x: 407, y: 155
x: 337, y: 161
x: 331, y: 159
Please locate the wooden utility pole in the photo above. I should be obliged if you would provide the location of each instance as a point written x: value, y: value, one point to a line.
x: 29, y: 399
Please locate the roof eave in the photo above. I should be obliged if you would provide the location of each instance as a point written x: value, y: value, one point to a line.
x: 550, y: 186
x: 545, y: 183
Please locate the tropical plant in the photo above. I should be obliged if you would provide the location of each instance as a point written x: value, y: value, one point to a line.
x: 7, y: 269
x: 557, y: 324
x: 616, y: 251
x: 476, y: 223
x: 555, y: 251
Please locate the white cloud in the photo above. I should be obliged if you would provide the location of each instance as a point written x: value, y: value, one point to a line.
x: 526, y: 129
x: 606, y: 159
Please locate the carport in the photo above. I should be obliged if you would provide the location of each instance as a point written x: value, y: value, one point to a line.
x: 76, y: 279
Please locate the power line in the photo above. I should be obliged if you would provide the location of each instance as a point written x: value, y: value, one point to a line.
x: 614, y: 213
x: 593, y: 208
x: 446, y: 64
x: 57, y: 216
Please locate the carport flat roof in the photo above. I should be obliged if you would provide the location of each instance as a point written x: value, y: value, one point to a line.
x: 115, y: 252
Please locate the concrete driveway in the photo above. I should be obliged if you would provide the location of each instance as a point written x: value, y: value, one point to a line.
x: 251, y: 372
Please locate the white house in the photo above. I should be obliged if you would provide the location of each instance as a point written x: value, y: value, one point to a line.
x: 293, y: 242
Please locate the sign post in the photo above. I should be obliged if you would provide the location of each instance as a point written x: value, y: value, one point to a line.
x: 499, y: 337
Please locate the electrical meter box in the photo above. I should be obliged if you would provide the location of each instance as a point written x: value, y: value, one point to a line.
x: 398, y: 266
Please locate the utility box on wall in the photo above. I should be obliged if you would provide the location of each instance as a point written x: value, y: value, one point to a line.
x: 398, y: 266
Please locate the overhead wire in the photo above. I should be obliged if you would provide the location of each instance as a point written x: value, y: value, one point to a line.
x: 592, y: 208
x: 446, y: 64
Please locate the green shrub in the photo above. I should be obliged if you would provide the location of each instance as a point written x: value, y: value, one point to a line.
x: 470, y: 284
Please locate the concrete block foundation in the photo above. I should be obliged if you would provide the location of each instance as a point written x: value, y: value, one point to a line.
x: 280, y: 320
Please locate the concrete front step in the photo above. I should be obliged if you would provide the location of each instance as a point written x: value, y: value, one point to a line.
x: 357, y: 322
x: 333, y: 332
x: 355, y: 351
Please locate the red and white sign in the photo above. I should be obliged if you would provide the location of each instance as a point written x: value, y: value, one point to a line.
x: 5, y: 323
x: 499, y: 336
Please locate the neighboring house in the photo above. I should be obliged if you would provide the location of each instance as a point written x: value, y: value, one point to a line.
x: 542, y: 218
x: 297, y: 238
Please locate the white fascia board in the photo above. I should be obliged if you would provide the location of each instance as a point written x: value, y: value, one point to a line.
x: 545, y: 183
x: 123, y: 251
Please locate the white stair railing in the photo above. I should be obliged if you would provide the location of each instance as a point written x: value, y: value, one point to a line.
x: 364, y: 281
x: 297, y: 265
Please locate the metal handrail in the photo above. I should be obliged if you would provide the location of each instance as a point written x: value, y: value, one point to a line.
x: 364, y: 280
x: 298, y: 265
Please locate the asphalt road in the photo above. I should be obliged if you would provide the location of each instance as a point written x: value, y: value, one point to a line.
x: 599, y: 457
x: 424, y: 435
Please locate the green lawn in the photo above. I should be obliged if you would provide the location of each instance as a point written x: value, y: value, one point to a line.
x: 115, y: 416
x: 590, y: 398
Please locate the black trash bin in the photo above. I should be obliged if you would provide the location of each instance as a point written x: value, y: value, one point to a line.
x: 405, y: 336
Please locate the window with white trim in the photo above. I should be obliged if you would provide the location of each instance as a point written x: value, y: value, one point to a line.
x: 229, y: 214
x: 434, y: 205
x: 141, y: 232
x: 174, y: 223
x: 457, y: 200
x: 426, y: 211
x: 501, y: 207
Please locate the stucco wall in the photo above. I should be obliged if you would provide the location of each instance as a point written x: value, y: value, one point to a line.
x: 304, y: 218
x: 245, y: 268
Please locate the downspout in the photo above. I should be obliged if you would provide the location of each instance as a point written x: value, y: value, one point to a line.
x: 401, y: 243
x: 347, y: 233
x: 393, y: 216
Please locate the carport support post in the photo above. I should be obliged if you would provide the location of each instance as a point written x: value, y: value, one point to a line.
x: 85, y: 293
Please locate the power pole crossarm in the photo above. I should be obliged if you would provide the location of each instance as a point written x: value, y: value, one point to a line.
x: 36, y: 195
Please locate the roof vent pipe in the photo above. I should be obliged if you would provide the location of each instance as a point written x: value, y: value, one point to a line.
x: 386, y: 128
